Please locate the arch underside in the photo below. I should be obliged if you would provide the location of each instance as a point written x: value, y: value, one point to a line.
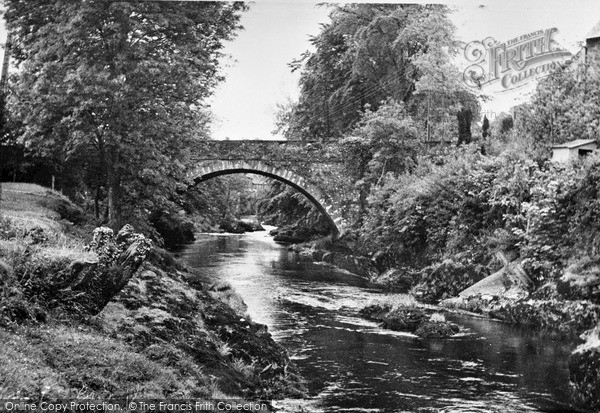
x: 314, y: 195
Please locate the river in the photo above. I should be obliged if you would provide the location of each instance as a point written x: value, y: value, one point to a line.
x: 353, y: 365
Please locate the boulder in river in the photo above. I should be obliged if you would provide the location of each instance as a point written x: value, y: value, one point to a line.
x: 395, y: 279
x: 358, y: 265
x: 404, y: 319
x: 437, y: 327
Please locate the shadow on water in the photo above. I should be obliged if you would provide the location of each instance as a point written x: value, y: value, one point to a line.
x: 353, y: 365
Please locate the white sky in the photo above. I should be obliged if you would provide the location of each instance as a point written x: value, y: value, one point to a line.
x: 278, y: 32
x: 257, y: 74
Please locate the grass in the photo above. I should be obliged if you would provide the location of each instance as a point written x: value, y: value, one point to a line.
x: 224, y: 349
x: 34, y: 247
x: 30, y: 206
x: 240, y: 366
x: 22, y: 204
x: 62, y: 361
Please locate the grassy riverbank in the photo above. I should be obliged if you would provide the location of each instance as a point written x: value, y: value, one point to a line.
x: 163, y: 334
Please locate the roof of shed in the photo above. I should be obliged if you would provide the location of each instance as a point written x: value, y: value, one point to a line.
x: 595, y: 32
x: 574, y: 144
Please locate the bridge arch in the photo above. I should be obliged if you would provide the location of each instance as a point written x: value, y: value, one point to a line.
x: 212, y: 169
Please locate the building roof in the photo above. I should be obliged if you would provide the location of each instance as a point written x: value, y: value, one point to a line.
x: 574, y: 144
x: 595, y: 32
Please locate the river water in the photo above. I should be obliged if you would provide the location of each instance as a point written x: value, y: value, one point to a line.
x: 353, y: 365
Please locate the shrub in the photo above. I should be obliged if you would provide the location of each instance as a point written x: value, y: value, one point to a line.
x: 65, y: 208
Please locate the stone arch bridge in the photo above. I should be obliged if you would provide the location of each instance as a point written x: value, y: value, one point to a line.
x: 312, y: 168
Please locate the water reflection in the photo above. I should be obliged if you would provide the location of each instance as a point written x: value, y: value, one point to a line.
x: 353, y: 365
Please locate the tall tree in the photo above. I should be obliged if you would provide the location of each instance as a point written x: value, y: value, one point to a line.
x: 564, y: 107
x: 464, y: 116
x: 117, y: 88
x: 384, y: 142
x: 485, y: 128
x: 370, y: 53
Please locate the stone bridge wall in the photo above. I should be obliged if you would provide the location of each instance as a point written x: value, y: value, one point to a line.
x: 310, y: 167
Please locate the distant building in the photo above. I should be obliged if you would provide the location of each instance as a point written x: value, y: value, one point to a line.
x: 592, y: 46
x: 573, y: 150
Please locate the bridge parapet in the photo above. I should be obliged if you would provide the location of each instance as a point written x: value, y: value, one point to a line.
x: 294, y: 152
x: 313, y: 168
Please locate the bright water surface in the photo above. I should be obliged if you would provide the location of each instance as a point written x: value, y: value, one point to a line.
x: 352, y: 365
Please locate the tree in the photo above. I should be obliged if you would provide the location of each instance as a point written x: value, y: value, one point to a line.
x: 485, y: 128
x: 384, y: 142
x: 564, y: 107
x: 116, y: 89
x: 506, y: 124
x: 464, y: 117
x: 367, y: 54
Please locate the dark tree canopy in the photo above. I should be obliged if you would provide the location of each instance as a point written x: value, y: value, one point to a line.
x: 464, y: 117
x: 371, y: 53
x: 485, y: 128
x: 113, y: 92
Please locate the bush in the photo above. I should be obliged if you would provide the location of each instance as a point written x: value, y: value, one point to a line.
x: 173, y: 230
x: 471, y: 206
x: 66, y: 209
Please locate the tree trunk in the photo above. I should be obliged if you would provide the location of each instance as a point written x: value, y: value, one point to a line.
x: 97, y: 203
x: 114, y: 201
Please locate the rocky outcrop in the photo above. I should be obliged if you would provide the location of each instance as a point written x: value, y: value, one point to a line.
x: 404, y: 319
x: 361, y: 266
x: 240, y: 226
x: 411, y: 319
x: 93, y: 284
x: 437, y: 329
x: 291, y: 235
x: 173, y: 229
x: 338, y: 255
x: 584, y: 372
x: 447, y: 279
x: 395, y: 280
x: 510, y: 279
x: 79, y: 283
x: 160, y: 310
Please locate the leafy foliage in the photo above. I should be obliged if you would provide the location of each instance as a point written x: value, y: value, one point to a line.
x: 368, y: 54
x: 565, y: 106
x: 113, y: 91
x: 473, y: 205
x: 384, y: 142
x: 485, y: 127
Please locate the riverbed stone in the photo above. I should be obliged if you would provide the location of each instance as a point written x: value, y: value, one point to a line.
x: 395, y: 279
x: 437, y: 329
x: 404, y: 319
x: 358, y: 265
x: 447, y: 279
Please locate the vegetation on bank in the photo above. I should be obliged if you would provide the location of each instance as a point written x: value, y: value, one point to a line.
x: 437, y: 218
x: 106, y: 100
x: 433, y: 218
x: 114, y: 317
